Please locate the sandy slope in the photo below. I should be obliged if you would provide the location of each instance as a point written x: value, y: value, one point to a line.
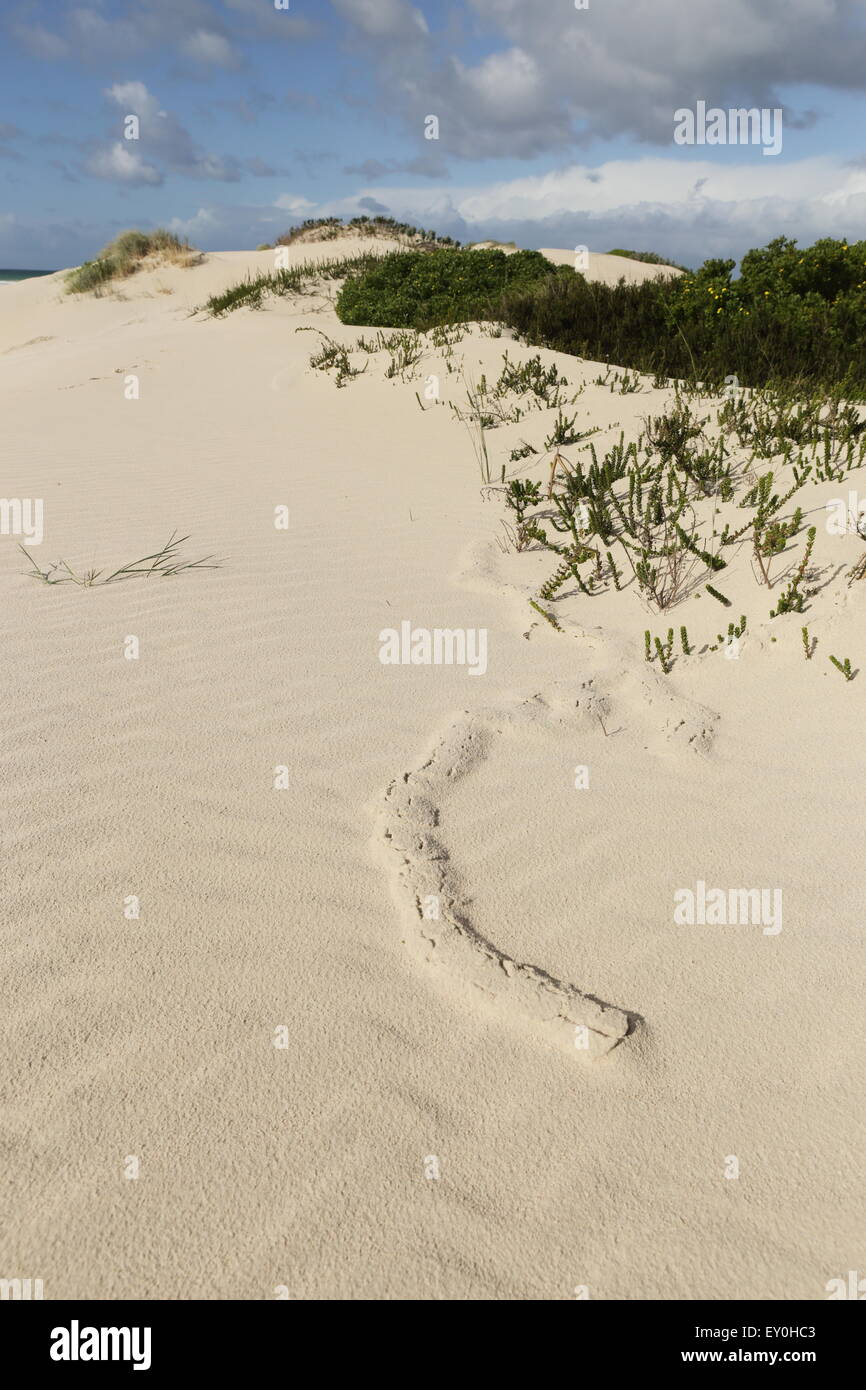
x: 600, y: 265
x: 610, y: 269
x: 304, y: 1166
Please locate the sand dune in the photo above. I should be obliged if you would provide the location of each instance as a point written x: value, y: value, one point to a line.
x: 608, y: 270
x: 280, y: 1037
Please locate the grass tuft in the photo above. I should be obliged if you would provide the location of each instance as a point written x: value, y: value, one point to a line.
x: 332, y: 228
x: 164, y: 562
x: 280, y: 284
x: 127, y: 254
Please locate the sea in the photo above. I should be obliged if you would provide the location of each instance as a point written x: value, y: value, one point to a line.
x: 22, y: 274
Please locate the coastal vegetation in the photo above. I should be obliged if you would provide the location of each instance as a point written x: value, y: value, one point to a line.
x: 765, y: 369
x: 252, y: 292
x: 129, y: 252
x: 164, y: 563
x: 332, y: 228
x: 793, y: 316
x: 712, y: 479
x: 419, y: 289
x: 649, y: 257
x: 657, y: 502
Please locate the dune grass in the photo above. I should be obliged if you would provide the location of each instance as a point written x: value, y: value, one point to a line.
x: 164, y: 562
x: 332, y: 228
x: 648, y: 257
x: 126, y: 254
x: 255, y: 289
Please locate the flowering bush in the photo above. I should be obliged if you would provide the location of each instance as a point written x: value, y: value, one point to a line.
x: 792, y: 315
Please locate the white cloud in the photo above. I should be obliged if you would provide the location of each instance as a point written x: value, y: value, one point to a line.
x: 91, y: 32
x: 232, y: 228
x: 198, y: 226
x: 40, y: 42
x: 163, y: 138
x: 128, y: 30
x: 120, y: 164
x: 559, y: 77
x: 207, y: 47
x: 383, y: 19
x: 135, y: 98
x: 297, y: 207
x: 262, y: 17
x: 201, y: 30
x: 658, y: 180
x: 687, y: 209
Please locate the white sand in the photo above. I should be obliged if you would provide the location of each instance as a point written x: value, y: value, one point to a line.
x: 304, y: 1166
x: 610, y: 269
x: 599, y: 265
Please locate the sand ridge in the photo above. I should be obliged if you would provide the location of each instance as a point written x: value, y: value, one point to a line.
x: 439, y: 927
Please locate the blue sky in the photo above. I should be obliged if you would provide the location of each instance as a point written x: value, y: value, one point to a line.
x: 555, y: 124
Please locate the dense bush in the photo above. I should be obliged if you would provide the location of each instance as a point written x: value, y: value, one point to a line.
x: 792, y: 315
x: 419, y: 289
x: 828, y: 269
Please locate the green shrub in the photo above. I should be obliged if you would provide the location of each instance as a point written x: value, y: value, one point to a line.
x: 792, y: 316
x: 418, y: 289
x: 609, y: 323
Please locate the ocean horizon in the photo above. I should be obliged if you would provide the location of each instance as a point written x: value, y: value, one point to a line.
x: 22, y: 274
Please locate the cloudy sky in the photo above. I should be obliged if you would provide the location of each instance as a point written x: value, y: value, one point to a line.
x: 555, y: 124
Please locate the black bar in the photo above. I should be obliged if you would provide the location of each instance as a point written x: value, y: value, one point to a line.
x: 222, y: 1339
